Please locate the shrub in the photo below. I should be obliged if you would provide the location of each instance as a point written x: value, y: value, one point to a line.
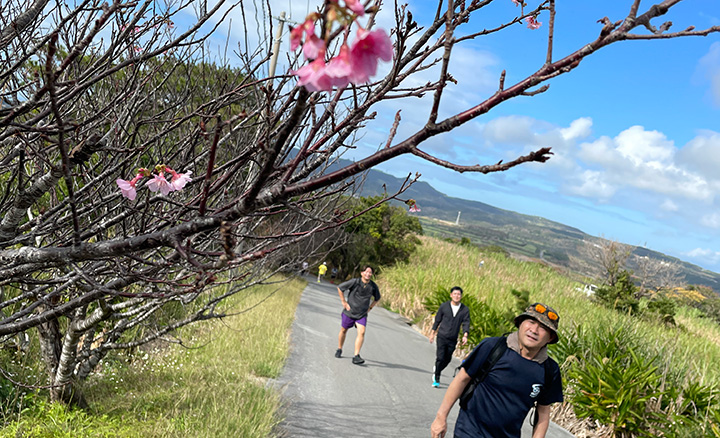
x: 620, y: 296
x: 495, y: 249
x: 664, y: 308
x: 613, y: 383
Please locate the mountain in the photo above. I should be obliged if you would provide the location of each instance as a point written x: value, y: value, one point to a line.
x: 522, y: 235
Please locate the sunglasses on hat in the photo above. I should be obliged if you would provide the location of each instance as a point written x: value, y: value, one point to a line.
x: 539, y: 308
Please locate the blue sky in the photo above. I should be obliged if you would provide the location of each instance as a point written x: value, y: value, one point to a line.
x: 635, y: 129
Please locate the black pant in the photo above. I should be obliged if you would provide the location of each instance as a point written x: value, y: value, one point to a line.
x: 445, y: 349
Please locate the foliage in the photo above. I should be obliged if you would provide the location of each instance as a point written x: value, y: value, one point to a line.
x: 710, y: 308
x: 44, y: 419
x: 382, y: 236
x: 619, y: 390
x: 664, y: 308
x: 495, y: 249
x: 616, y: 379
x: 620, y: 295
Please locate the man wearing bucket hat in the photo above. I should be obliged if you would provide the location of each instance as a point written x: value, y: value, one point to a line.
x: 522, y: 376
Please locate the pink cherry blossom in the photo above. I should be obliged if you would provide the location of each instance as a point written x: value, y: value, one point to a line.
x: 127, y: 188
x: 314, y: 77
x: 414, y: 208
x: 178, y: 180
x: 313, y: 47
x: 517, y: 3
x: 339, y: 68
x: 356, y: 6
x: 159, y: 183
x: 365, y: 52
x: 532, y: 23
x: 296, y: 34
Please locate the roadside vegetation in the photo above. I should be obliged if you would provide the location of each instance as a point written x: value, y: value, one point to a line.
x: 380, y: 237
x: 628, y: 371
x: 627, y: 374
x: 213, y: 384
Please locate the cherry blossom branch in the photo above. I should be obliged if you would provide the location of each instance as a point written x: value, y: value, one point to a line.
x: 539, y: 156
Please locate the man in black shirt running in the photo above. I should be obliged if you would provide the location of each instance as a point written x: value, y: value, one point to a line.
x: 450, y: 316
x: 358, y: 297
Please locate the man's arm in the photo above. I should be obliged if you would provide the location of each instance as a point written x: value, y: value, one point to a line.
x: 453, y: 393
x: 543, y: 421
x: 345, y: 304
x: 466, y: 326
x: 436, y: 324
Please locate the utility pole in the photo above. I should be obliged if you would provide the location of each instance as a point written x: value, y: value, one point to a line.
x: 265, y: 114
x: 457, y: 221
x: 276, y: 45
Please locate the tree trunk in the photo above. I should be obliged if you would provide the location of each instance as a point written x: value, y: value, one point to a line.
x: 59, y: 359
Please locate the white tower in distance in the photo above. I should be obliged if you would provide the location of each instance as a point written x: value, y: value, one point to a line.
x: 457, y: 221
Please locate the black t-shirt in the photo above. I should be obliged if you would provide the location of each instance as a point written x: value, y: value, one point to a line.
x: 358, y: 295
x: 501, y: 402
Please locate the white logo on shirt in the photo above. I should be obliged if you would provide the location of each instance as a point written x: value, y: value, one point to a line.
x: 535, y: 390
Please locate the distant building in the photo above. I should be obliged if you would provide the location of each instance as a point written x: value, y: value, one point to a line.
x: 587, y: 289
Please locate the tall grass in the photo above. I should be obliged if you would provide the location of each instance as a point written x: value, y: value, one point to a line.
x: 212, y: 385
x: 438, y: 264
x: 681, y: 357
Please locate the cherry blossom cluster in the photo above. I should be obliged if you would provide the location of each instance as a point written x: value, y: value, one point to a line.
x: 157, y: 183
x: 532, y: 22
x: 355, y: 63
x: 414, y: 208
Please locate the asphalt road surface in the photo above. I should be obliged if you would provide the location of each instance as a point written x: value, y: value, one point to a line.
x: 390, y: 395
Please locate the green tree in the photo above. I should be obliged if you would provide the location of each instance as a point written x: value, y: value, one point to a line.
x: 381, y: 236
x: 664, y: 307
x: 620, y: 295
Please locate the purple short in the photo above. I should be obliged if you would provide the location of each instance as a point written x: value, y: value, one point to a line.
x: 348, y: 322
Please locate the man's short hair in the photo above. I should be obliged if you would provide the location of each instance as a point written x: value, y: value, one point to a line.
x: 456, y: 288
x: 367, y: 266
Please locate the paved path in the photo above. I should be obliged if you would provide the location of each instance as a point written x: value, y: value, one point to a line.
x: 388, y: 396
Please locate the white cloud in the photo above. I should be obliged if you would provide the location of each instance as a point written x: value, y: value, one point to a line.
x: 711, y: 220
x: 645, y: 160
x: 702, y: 155
x: 510, y: 130
x: 707, y: 255
x: 591, y: 184
x: 579, y: 129
x: 709, y: 69
x: 669, y: 205
x: 642, y: 147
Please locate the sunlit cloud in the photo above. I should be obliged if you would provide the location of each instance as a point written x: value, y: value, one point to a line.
x: 704, y: 254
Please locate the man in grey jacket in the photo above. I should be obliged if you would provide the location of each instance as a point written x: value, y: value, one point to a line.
x: 358, y: 297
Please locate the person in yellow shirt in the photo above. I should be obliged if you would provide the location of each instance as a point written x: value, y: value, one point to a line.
x: 322, y: 269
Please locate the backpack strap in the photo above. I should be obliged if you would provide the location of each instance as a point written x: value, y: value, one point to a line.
x: 497, y: 351
x: 546, y: 386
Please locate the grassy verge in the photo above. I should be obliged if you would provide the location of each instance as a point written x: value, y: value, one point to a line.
x: 213, y: 386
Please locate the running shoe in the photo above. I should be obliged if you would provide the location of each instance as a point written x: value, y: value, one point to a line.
x: 338, y: 353
x: 357, y: 360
